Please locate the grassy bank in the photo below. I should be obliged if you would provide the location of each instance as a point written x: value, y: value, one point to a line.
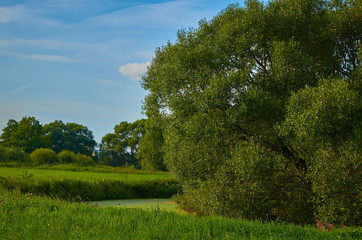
x: 32, y: 217
x: 85, y: 185
x: 82, y: 173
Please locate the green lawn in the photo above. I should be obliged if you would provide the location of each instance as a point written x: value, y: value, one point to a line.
x: 38, y: 173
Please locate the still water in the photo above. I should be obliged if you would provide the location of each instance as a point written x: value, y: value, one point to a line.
x: 156, y: 203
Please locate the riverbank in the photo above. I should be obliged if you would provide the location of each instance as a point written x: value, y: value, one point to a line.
x: 25, y: 216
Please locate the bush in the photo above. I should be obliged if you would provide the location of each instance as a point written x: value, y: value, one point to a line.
x: 252, y: 185
x: 67, y: 156
x: 84, y: 160
x: 43, y: 156
x: 12, y: 154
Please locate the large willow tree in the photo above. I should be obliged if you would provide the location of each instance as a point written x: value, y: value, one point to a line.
x: 261, y: 113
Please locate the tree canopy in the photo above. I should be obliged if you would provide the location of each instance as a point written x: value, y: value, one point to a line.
x: 254, y: 104
x: 120, y: 148
x: 25, y: 134
x: 28, y: 134
x: 70, y: 136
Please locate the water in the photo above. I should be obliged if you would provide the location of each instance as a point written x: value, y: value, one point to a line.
x: 156, y: 203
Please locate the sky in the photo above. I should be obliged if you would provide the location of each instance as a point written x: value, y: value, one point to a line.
x: 81, y: 61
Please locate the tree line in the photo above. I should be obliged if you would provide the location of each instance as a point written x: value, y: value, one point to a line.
x: 71, y: 143
x: 258, y: 111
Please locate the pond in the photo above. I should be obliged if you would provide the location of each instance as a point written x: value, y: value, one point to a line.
x: 156, y: 203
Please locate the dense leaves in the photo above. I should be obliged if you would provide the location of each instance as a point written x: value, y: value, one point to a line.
x: 150, y: 152
x: 120, y: 148
x: 25, y: 134
x: 254, y: 104
x: 70, y: 136
x: 28, y: 135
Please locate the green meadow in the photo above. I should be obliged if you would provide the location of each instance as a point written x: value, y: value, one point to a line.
x: 88, y: 185
x: 26, y: 216
x: 68, y: 173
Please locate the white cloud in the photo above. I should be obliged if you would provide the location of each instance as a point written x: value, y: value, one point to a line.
x: 134, y: 70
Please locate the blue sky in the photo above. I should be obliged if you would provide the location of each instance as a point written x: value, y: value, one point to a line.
x: 81, y: 60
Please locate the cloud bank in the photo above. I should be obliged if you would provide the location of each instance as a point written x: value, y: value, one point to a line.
x: 134, y: 70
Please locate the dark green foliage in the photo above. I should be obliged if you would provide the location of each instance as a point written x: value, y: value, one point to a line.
x: 322, y: 125
x: 260, y: 111
x: 28, y: 134
x: 43, y: 156
x: 12, y: 154
x: 149, y: 151
x: 25, y: 134
x: 120, y: 148
x: 70, y: 136
x: 93, y: 190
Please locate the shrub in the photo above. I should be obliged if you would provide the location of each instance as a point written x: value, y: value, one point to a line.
x: 12, y: 154
x: 67, y: 156
x: 43, y: 156
x: 84, y: 160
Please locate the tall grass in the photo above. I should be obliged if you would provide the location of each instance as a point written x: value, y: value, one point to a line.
x: 43, y: 173
x: 88, y: 186
x: 32, y: 217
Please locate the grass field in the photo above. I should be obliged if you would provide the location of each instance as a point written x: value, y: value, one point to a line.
x: 88, y: 185
x: 41, y: 174
x: 33, y: 217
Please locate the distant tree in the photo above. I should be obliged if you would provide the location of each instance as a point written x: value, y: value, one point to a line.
x: 79, y: 139
x: 25, y: 134
x: 121, y: 147
x: 7, y: 137
x: 12, y: 154
x: 54, y: 135
x: 70, y: 136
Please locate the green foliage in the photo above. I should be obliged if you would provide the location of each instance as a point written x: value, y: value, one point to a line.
x: 250, y: 103
x: 323, y: 126
x: 149, y: 151
x: 12, y: 154
x: 70, y: 136
x: 336, y: 182
x: 328, y: 114
x: 43, y: 156
x: 34, y: 217
x: 28, y: 134
x: 66, y: 156
x: 25, y: 134
x: 84, y: 160
x: 120, y: 148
